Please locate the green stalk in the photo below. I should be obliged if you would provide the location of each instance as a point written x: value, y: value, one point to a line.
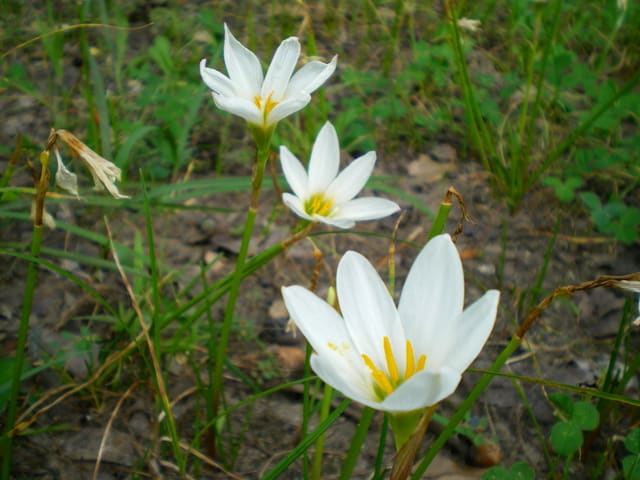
x: 220, y: 348
x: 306, y: 442
x: 155, y: 336
x: 441, y: 218
x: 479, y: 130
x: 27, y: 304
x: 316, y: 466
x: 530, y: 69
x: 464, y: 408
x: 545, y: 58
x: 359, y: 436
x: 382, y: 441
x: 23, y: 332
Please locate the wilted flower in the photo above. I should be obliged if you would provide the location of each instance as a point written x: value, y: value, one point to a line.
x: 264, y: 100
x: 469, y: 24
x: 324, y: 196
x: 65, y: 178
x: 396, y: 360
x: 47, y: 219
x: 104, y: 172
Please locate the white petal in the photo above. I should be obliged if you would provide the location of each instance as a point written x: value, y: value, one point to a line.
x: 368, y: 310
x: 282, y: 65
x: 348, y: 377
x: 242, y: 65
x: 294, y: 172
x: 470, y: 331
x: 287, y: 107
x: 352, y: 179
x: 366, y: 208
x: 318, y: 321
x: 239, y: 106
x: 344, y: 223
x: 311, y: 76
x: 295, y: 204
x: 325, y: 159
x: 325, y: 330
x: 215, y: 80
x: 424, y: 389
x: 433, y: 293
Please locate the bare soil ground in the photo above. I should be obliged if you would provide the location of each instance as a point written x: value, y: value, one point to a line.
x: 567, y: 345
x: 570, y: 343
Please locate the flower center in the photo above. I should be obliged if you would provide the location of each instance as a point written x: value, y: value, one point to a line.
x: 387, y: 381
x: 265, y: 104
x: 318, y: 204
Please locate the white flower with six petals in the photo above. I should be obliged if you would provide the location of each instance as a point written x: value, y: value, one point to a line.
x: 395, y: 359
x: 264, y: 100
x: 321, y: 195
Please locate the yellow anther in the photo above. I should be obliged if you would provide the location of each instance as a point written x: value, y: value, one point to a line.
x: 411, y: 366
x: 422, y: 361
x: 318, y: 204
x: 387, y: 382
x: 391, y: 361
x: 266, y: 105
x: 378, y: 375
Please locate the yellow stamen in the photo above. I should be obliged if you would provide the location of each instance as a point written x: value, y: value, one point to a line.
x: 422, y: 361
x: 266, y: 105
x: 378, y: 375
x: 411, y: 367
x: 318, y: 204
x: 387, y: 381
x: 391, y: 361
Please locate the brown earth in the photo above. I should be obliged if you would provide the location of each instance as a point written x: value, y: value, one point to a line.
x: 570, y: 343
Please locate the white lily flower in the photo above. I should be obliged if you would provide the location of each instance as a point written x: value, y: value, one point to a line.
x: 264, y: 100
x: 395, y: 359
x: 324, y: 196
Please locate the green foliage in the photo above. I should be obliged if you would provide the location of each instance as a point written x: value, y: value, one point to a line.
x: 615, y: 217
x: 631, y: 463
x: 535, y: 101
x: 566, y: 435
x: 565, y: 190
x: 518, y: 471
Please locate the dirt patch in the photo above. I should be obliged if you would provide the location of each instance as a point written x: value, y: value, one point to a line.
x: 567, y: 345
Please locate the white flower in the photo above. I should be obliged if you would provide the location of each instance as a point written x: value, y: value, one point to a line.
x: 395, y: 360
x: 324, y: 196
x: 264, y: 100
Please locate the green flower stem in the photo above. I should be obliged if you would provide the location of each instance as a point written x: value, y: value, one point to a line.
x: 23, y: 328
x: 441, y: 218
x: 449, y: 430
x: 316, y: 467
x: 23, y: 332
x: 359, y: 436
x: 415, y: 425
x: 220, y: 347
